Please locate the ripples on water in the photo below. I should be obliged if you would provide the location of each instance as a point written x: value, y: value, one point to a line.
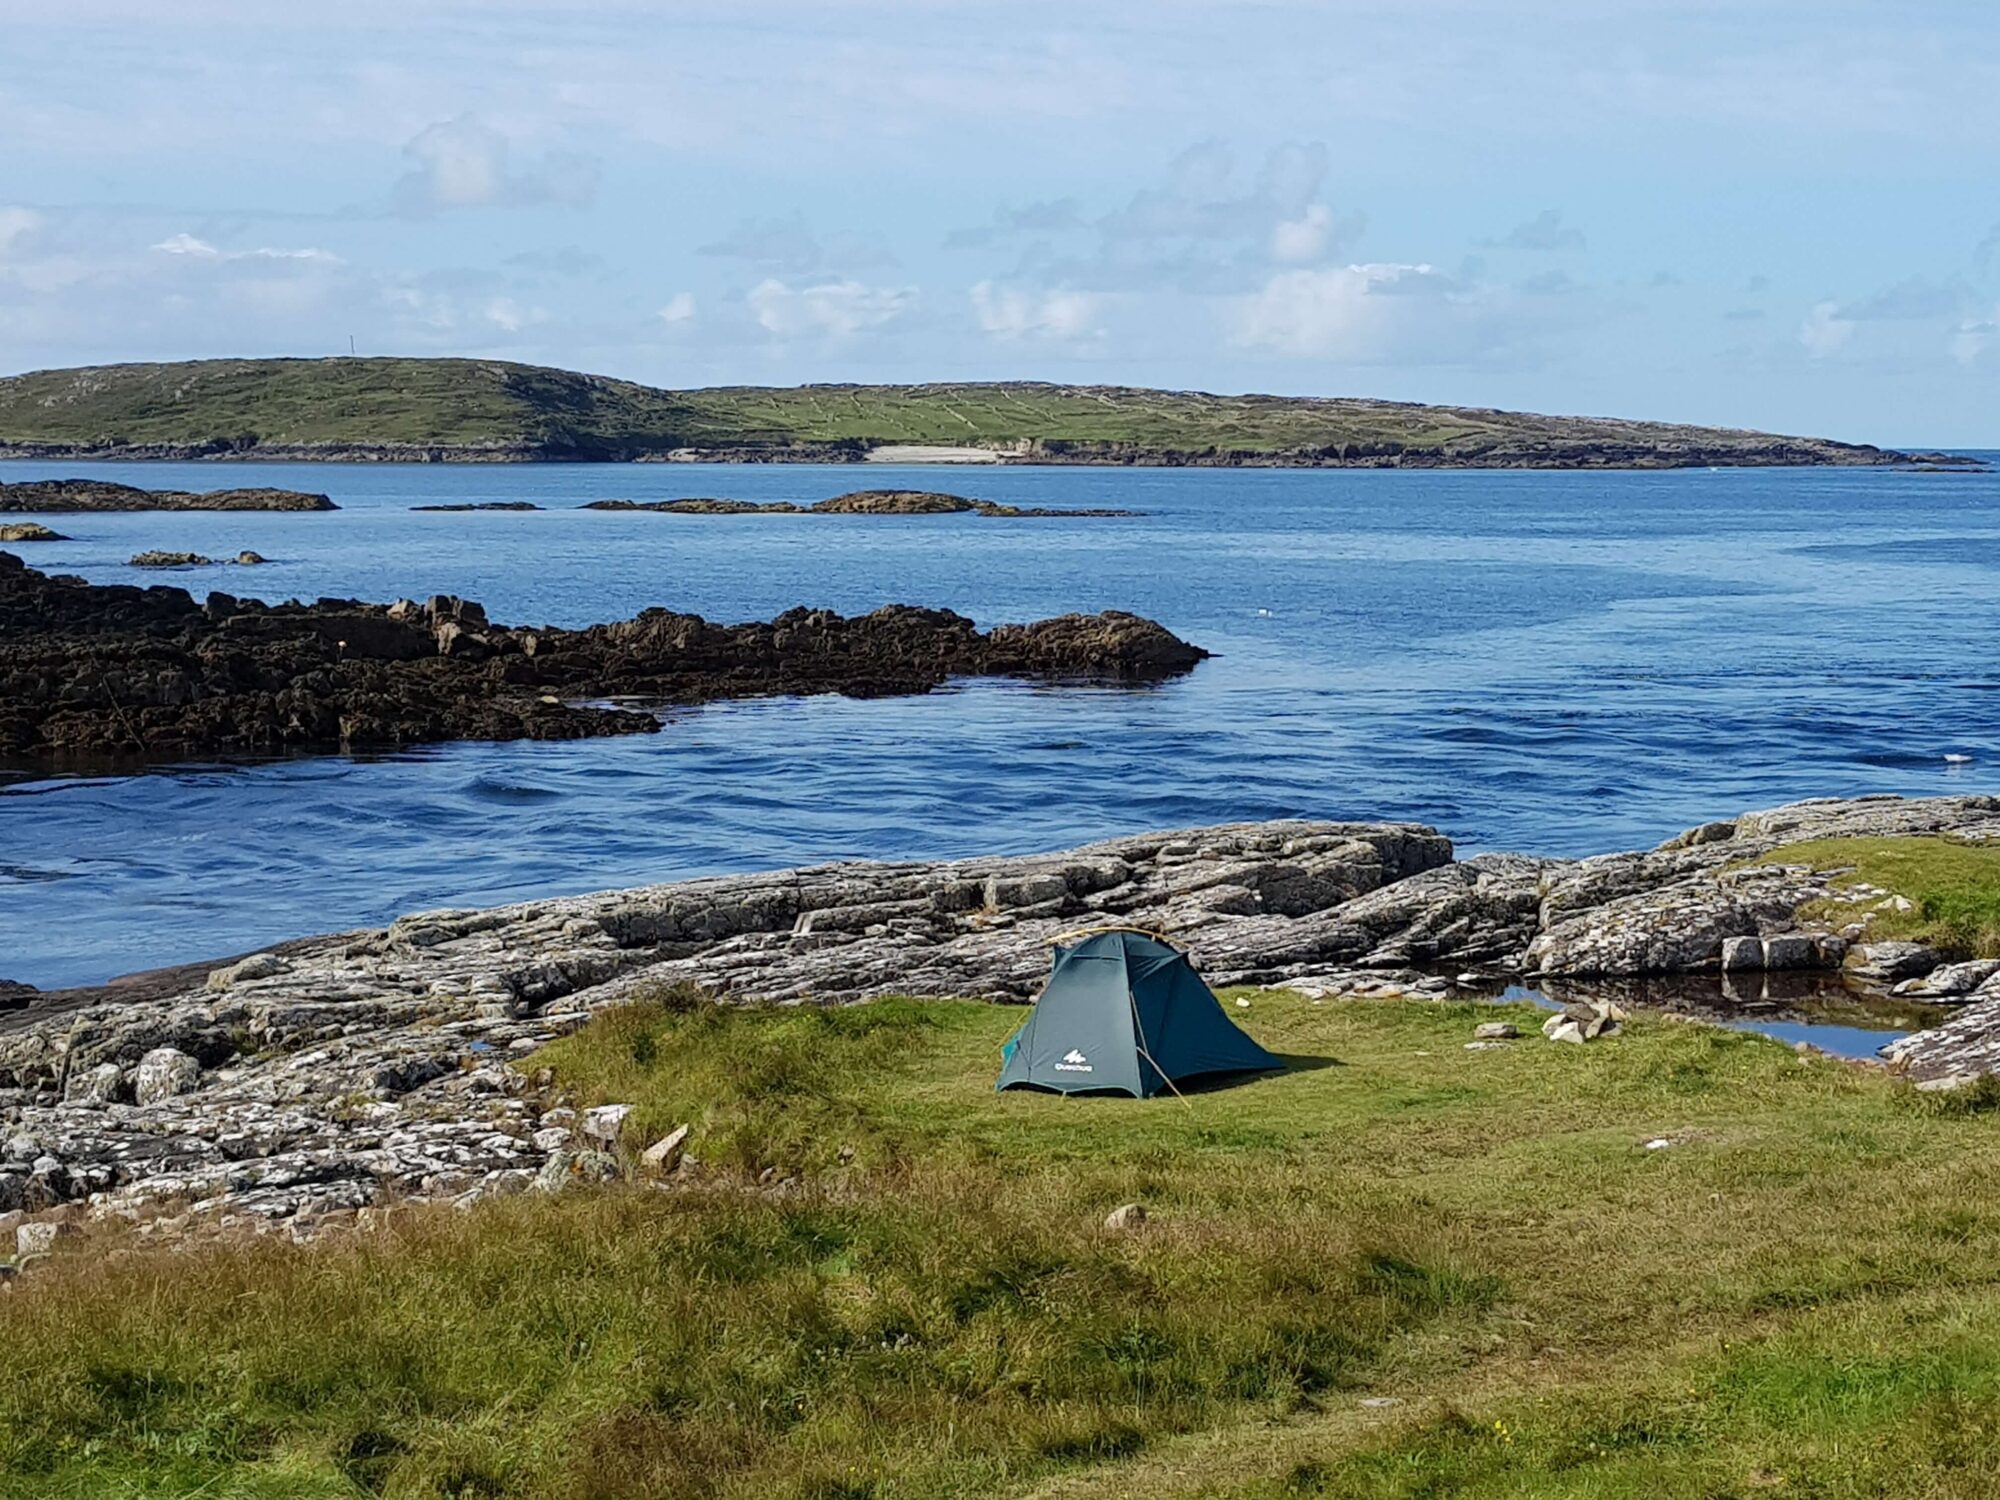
x: 1562, y: 663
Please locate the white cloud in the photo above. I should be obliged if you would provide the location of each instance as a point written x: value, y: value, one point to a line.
x: 199, y: 249
x: 1973, y: 338
x: 465, y: 163
x: 1825, y: 331
x: 1016, y: 313
x: 1362, y: 313
x: 1305, y: 239
x: 509, y: 316
x: 16, y: 224
x: 835, y: 309
x: 187, y: 244
x: 679, y: 309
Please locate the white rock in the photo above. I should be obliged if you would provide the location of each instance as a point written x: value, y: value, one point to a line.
x: 606, y: 1122
x: 665, y: 1153
x: 1126, y: 1216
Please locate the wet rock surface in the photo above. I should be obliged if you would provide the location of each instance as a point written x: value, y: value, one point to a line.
x: 151, y: 673
x: 53, y: 496
x: 315, y: 1078
x: 29, y: 531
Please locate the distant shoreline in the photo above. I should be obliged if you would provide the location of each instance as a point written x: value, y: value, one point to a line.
x: 398, y: 453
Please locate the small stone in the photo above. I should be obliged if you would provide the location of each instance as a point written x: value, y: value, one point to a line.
x: 39, y: 1237
x: 1562, y: 1029
x: 550, y: 1138
x: 606, y: 1122
x: 1495, y: 1031
x: 1377, y: 1403
x: 1658, y: 1143
x: 665, y: 1153
x: 1126, y: 1216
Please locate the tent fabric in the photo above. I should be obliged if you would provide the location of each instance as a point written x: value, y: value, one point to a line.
x: 1124, y: 1012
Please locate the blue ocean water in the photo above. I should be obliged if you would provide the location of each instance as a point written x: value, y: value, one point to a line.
x: 1555, y: 662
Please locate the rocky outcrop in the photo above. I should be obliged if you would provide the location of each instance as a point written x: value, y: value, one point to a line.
x: 170, y: 560
x: 482, y: 505
x: 49, y: 496
x: 855, y: 503
x: 149, y: 672
x: 317, y: 1077
x: 294, y: 1083
x: 29, y: 531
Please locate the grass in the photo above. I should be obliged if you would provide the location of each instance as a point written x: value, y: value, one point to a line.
x: 1953, y: 887
x: 239, y: 406
x: 1797, y: 1296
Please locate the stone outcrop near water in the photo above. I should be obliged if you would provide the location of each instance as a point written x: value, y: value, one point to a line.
x: 125, y: 671
x: 318, y: 1077
x: 859, y: 503
x: 68, y: 496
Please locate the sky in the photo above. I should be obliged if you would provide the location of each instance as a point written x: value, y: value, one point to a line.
x: 1763, y: 213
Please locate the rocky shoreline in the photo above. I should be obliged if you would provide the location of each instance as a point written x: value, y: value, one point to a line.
x: 118, y: 671
x: 290, y: 1088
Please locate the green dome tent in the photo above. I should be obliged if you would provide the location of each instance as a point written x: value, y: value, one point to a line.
x: 1124, y: 1012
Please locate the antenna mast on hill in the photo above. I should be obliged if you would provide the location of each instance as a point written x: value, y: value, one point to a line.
x: 350, y: 345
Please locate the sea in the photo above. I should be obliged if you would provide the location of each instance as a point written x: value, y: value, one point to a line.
x: 1559, y: 663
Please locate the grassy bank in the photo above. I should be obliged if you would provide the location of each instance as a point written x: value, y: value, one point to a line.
x: 1796, y: 1295
x: 1949, y: 890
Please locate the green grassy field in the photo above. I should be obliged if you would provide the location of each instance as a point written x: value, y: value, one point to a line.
x: 1400, y: 1269
x: 243, y: 406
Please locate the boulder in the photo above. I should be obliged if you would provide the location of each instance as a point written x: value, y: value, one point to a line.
x: 1890, y: 961
x: 103, y: 1084
x: 39, y: 1237
x: 1126, y: 1216
x: 29, y: 531
x: 1495, y: 1031
x: 164, y: 1073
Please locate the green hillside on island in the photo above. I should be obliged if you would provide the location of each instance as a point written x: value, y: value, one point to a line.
x: 468, y: 409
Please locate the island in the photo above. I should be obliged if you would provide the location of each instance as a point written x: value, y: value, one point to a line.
x: 67, y: 496
x: 117, y: 671
x: 857, y: 503
x: 475, y: 410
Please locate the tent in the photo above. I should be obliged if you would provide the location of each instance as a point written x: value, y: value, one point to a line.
x: 1124, y: 1012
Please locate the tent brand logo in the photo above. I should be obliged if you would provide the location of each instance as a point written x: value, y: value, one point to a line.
x: 1073, y: 1062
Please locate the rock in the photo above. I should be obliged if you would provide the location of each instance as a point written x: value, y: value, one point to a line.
x: 1742, y: 953
x: 551, y: 1138
x: 248, y: 559
x: 171, y: 560
x: 1791, y: 950
x: 39, y: 1237
x: 29, y: 531
x: 64, y: 495
x: 1890, y: 961
x: 256, y: 966
x: 103, y: 1084
x: 1583, y: 1021
x: 606, y: 1122
x: 237, y: 675
x: 1951, y: 981
x: 1126, y: 1216
x: 165, y: 1073
x: 1495, y: 1031
x: 665, y: 1153
x: 567, y: 1168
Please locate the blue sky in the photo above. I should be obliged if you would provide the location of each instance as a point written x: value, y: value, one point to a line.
x: 1765, y: 213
